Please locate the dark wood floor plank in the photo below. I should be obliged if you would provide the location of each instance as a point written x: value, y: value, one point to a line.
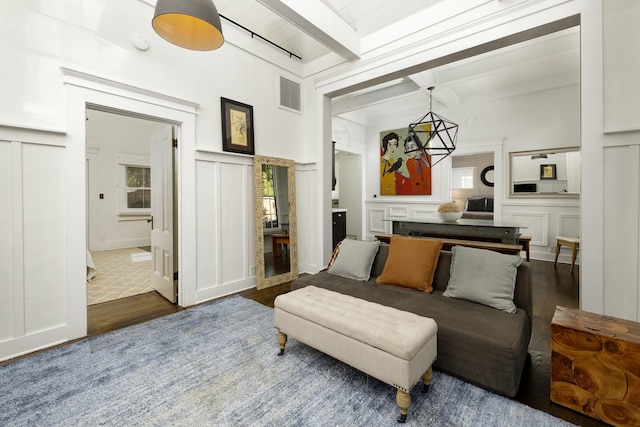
x: 123, y: 312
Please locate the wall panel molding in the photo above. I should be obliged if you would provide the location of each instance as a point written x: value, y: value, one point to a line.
x: 399, y: 212
x: 376, y: 220
x: 538, y: 226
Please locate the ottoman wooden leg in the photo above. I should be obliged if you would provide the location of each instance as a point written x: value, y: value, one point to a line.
x: 282, y: 341
x: 426, y: 380
x: 404, y: 401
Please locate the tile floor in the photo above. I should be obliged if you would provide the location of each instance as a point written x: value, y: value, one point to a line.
x: 119, y: 273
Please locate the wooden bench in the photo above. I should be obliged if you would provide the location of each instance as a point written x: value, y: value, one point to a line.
x: 447, y: 244
x: 394, y: 346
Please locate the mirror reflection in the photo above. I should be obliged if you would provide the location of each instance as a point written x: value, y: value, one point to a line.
x: 275, y: 220
x: 276, y: 257
x: 545, y: 173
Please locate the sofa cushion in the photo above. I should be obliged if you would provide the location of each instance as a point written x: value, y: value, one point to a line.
x: 380, y: 259
x: 483, y: 276
x: 355, y: 258
x: 411, y: 263
x: 476, y: 205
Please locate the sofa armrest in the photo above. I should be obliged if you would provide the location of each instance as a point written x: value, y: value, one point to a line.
x: 523, y: 293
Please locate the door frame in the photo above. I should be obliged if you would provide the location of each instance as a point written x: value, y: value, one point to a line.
x: 83, y: 90
x: 92, y: 218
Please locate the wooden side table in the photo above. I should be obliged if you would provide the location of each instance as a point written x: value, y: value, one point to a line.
x: 595, y: 365
x: 276, y: 241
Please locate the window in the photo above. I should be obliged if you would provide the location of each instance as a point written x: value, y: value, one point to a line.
x: 269, y: 202
x: 138, y: 187
x: 134, y: 186
x: 462, y: 177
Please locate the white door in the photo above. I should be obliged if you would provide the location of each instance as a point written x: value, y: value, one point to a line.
x: 162, y: 150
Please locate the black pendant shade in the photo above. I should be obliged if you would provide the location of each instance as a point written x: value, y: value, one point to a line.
x: 191, y: 24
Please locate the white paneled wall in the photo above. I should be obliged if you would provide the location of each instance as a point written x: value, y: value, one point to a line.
x: 308, y: 216
x: 32, y: 243
x: 622, y: 230
x: 7, y: 243
x: 547, y: 220
x: 225, y: 243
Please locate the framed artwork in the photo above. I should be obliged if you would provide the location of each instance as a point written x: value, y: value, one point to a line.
x: 237, y: 127
x: 547, y: 171
x: 404, y: 169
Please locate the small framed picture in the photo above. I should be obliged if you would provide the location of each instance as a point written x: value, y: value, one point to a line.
x: 237, y: 127
x: 547, y: 171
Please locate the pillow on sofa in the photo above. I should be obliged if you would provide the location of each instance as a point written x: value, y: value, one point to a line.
x: 334, y: 255
x: 476, y: 205
x: 355, y: 259
x: 489, y: 207
x: 411, y: 263
x: 380, y: 259
x: 483, y: 276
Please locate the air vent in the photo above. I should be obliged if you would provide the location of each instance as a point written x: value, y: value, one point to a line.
x: 290, y: 94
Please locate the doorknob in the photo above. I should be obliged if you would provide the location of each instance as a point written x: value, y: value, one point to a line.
x: 151, y: 221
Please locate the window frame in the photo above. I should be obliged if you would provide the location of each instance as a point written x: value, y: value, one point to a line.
x: 125, y: 162
x: 470, y: 176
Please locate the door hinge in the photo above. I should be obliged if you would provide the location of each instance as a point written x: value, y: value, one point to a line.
x: 175, y: 142
x: 175, y: 276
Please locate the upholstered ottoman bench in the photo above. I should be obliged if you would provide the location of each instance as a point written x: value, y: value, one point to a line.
x: 394, y: 346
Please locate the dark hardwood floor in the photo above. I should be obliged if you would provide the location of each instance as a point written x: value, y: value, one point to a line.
x: 123, y: 312
x: 552, y: 286
x: 276, y: 264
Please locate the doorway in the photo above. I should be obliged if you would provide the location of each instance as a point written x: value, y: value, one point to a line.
x: 472, y: 180
x: 348, y: 191
x: 131, y: 173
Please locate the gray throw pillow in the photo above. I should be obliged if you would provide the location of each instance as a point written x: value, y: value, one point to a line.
x: 483, y: 276
x: 355, y: 259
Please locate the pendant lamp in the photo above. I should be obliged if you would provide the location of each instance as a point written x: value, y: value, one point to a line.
x: 191, y: 24
x: 433, y: 134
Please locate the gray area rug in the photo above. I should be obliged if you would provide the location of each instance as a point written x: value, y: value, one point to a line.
x: 216, y: 364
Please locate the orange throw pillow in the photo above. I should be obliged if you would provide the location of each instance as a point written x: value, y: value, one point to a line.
x: 411, y: 263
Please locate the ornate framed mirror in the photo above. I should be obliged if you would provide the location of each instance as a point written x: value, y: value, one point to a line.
x: 276, y: 234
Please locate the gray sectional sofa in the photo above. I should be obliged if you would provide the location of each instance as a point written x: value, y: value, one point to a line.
x: 479, y: 344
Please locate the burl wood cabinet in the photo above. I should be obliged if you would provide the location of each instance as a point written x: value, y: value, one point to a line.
x: 595, y: 365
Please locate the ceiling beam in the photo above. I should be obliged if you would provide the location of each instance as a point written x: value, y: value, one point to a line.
x: 355, y: 102
x: 320, y: 22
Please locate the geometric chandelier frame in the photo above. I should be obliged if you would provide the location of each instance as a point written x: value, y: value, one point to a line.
x: 433, y: 134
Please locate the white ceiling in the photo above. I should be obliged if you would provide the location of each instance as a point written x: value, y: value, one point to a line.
x: 541, y: 64
x: 363, y: 16
x: 545, y: 63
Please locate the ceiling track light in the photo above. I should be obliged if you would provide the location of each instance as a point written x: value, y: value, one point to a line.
x: 191, y: 24
x: 433, y: 134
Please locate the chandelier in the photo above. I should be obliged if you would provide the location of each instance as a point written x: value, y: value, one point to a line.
x: 433, y: 134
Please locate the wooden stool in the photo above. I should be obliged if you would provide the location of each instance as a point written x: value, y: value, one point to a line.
x: 573, y: 243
